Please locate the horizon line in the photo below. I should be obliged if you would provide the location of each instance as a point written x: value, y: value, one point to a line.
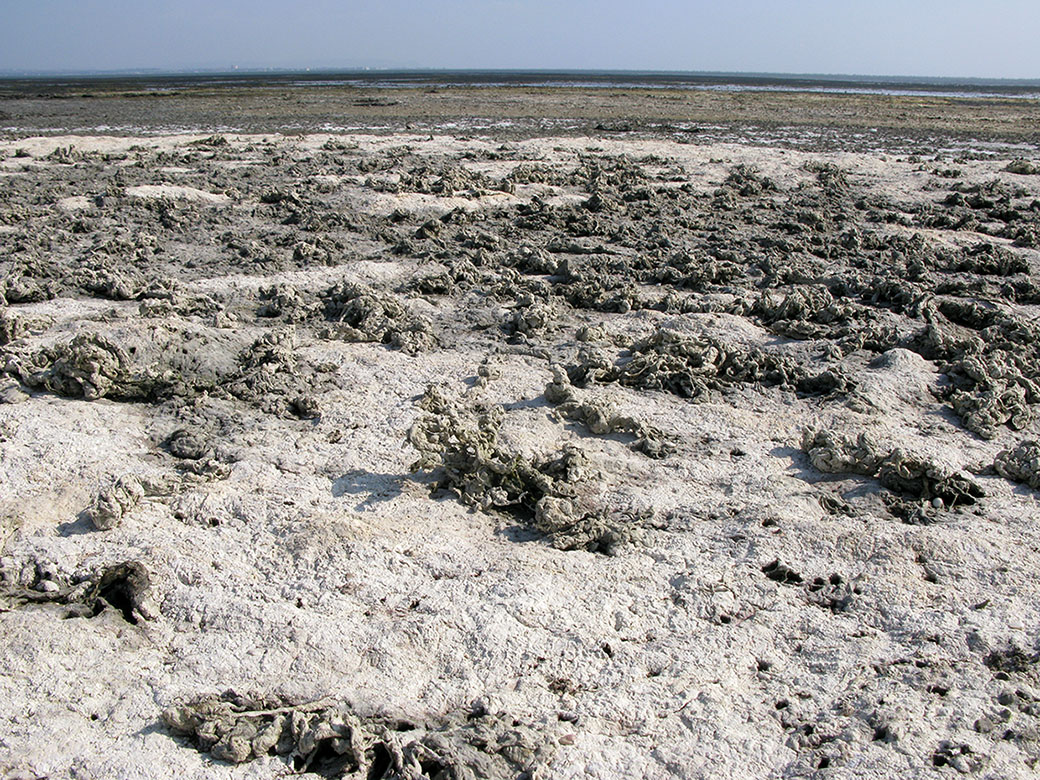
x: 234, y: 70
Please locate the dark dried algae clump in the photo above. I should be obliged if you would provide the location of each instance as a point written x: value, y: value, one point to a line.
x: 359, y: 313
x: 992, y: 359
x: 89, y: 366
x: 994, y: 390
x: 601, y: 419
x: 336, y: 742
x: 1023, y: 168
x: 834, y: 453
x: 916, y: 476
x: 807, y: 311
x: 691, y: 367
x: 1021, y: 463
x: 899, y: 471
x: 125, y: 587
x: 462, y: 439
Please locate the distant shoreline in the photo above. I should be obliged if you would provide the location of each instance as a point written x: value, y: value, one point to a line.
x: 390, y: 79
x: 869, y: 114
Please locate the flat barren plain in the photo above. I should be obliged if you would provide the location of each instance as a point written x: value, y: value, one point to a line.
x: 517, y: 432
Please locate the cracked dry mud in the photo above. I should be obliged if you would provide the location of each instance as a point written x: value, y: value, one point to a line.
x: 444, y: 456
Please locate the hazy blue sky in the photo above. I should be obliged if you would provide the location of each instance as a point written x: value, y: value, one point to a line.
x: 883, y: 37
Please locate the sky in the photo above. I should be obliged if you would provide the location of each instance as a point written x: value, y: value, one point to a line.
x: 995, y: 39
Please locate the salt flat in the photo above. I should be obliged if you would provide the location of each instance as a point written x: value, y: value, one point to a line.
x: 589, y: 456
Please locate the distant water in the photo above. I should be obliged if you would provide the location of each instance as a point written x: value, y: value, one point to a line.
x: 432, y: 79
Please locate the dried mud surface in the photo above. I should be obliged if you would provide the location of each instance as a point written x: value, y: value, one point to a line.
x: 439, y: 455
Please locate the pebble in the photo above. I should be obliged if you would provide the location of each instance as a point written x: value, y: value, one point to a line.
x: 984, y: 725
x: 48, y: 586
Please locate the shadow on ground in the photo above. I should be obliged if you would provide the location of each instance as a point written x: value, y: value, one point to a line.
x: 372, y: 488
